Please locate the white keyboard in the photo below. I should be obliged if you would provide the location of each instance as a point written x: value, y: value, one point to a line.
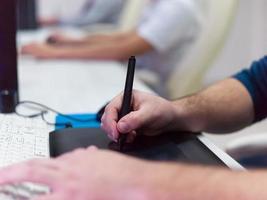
x: 22, y: 139
x: 25, y: 191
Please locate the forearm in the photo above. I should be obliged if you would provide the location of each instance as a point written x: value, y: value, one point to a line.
x: 104, y: 38
x: 224, y: 107
x: 101, y: 52
x: 116, y: 50
x: 172, y: 181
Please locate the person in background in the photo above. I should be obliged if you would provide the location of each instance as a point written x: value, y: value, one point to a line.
x: 90, y: 12
x: 227, y: 106
x: 165, y: 32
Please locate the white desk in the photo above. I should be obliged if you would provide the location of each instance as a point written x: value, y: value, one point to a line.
x: 80, y: 87
x: 71, y: 86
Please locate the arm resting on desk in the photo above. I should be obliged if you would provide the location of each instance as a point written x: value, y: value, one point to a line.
x: 127, y: 178
x: 62, y: 39
x: 119, y: 47
x: 114, y: 47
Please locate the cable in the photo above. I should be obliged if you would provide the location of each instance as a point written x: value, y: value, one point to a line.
x: 45, y: 109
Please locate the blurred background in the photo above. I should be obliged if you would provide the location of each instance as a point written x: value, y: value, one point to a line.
x: 232, y: 35
x: 246, y: 42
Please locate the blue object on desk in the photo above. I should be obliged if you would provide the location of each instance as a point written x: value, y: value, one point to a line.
x: 92, y: 122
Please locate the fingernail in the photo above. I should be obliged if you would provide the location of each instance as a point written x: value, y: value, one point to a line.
x: 123, y: 127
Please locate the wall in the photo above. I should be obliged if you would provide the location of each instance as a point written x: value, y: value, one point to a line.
x: 247, y: 42
x: 59, y: 8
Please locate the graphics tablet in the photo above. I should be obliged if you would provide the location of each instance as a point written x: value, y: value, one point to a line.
x: 175, y: 146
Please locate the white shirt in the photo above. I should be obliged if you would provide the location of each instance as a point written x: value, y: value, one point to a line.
x: 170, y: 26
x: 95, y: 11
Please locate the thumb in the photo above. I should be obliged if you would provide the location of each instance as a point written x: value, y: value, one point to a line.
x: 131, y: 122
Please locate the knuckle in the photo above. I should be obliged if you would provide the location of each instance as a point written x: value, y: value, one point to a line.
x: 103, y: 118
x: 92, y: 148
x: 79, y: 150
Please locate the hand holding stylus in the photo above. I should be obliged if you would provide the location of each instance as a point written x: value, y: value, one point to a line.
x: 150, y: 115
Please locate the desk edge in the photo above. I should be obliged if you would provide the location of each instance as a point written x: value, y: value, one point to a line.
x: 224, y: 157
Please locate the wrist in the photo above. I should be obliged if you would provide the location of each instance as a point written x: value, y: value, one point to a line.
x: 151, y: 182
x: 156, y: 184
x: 164, y: 182
x: 186, y: 117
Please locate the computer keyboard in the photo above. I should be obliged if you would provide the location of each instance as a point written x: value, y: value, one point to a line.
x: 22, y: 139
x: 25, y: 191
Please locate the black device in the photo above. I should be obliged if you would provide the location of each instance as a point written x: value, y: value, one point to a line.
x: 8, y: 57
x: 173, y: 146
x: 27, y: 15
x: 127, y: 97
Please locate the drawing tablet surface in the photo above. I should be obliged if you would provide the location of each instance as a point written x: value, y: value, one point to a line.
x: 176, y: 146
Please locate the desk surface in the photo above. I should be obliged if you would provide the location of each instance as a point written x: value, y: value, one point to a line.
x: 71, y: 86
x: 80, y: 86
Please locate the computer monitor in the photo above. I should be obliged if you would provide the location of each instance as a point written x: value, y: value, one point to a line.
x: 27, y: 16
x: 8, y: 57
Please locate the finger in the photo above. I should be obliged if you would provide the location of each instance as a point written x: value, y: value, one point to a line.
x: 108, y: 130
x: 103, y: 117
x: 27, y: 173
x: 132, y: 122
x: 112, y: 109
x: 105, y: 129
x: 92, y: 148
x: 48, y: 197
x: 111, y: 129
x: 47, y: 163
x: 26, y: 49
x: 76, y: 154
x: 52, y: 40
x: 69, y: 154
x: 116, y: 102
x: 110, y: 117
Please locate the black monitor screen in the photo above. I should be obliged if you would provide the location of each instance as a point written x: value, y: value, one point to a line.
x: 8, y: 52
x: 27, y: 19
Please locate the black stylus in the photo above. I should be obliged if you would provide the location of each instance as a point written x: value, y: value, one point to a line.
x: 127, y: 97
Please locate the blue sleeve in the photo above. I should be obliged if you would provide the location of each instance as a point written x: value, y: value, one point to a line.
x: 255, y: 80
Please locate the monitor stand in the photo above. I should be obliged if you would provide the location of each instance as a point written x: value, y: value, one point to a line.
x: 8, y: 101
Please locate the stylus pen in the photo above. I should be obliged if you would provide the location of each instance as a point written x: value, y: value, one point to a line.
x: 127, y: 97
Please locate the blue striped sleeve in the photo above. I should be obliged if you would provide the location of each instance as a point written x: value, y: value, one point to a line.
x: 255, y: 81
